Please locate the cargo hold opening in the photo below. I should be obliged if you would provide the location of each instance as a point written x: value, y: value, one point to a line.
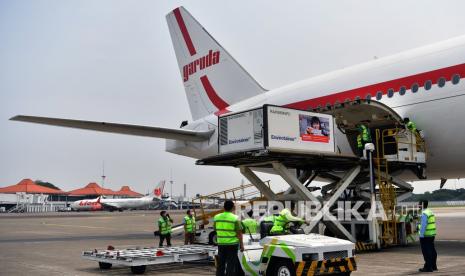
x: 373, y: 114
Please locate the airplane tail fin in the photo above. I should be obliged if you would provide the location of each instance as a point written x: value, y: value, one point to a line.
x: 213, y: 80
x: 158, y: 191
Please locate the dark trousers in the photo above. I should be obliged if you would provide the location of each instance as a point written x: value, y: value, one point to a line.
x: 163, y: 237
x: 189, y: 238
x: 228, y: 262
x: 429, y: 252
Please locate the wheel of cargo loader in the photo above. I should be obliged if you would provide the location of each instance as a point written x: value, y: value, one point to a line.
x: 138, y: 269
x: 281, y: 267
x: 103, y: 265
x: 212, y: 238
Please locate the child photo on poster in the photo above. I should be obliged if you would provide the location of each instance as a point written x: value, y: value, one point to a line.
x: 314, y: 128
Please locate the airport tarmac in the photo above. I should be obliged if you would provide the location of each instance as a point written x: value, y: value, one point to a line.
x: 51, y: 244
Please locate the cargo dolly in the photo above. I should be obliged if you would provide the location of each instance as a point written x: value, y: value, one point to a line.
x: 139, y: 258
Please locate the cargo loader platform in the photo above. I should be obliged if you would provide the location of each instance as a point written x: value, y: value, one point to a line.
x: 291, y: 159
x: 306, y: 148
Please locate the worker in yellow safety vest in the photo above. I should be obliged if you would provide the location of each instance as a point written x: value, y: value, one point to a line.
x: 229, y: 238
x: 363, y: 137
x: 189, y: 228
x: 249, y: 225
x: 267, y: 221
x: 280, y: 226
x: 410, y: 125
x: 359, y: 144
x: 164, y: 227
x: 270, y: 218
x: 427, y: 233
x: 365, y: 132
x: 272, y: 214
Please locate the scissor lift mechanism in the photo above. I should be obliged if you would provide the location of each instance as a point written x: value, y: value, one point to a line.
x: 344, y: 171
x: 281, y: 163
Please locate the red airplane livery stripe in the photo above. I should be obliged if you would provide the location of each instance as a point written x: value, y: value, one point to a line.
x: 221, y: 112
x: 373, y: 89
x: 212, y: 95
x: 185, y: 33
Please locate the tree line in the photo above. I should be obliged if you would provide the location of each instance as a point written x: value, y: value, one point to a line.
x: 440, y: 195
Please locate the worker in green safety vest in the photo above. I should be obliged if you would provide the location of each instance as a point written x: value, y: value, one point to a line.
x: 273, y: 214
x: 268, y: 221
x: 189, y: 228
x: 270, y: 218
x: 410, y: 125
x: 229, y: 238
x: 427, y: 233
x: 249, y: 225
x: 363, y: 137
x: 359, y: 144
x: 164, y: 227
x: 365, y: 132
x: 280, y: 226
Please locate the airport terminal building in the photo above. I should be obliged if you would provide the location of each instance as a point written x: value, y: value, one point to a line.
x: 29, y: 196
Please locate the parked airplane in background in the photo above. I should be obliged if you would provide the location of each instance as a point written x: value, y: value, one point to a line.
x: 111, y: 204
x: 167, y: 203
x: 423, y: 84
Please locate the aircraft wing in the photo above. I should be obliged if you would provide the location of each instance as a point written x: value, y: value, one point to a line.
x: 137, y: 130
x: 109, y: 205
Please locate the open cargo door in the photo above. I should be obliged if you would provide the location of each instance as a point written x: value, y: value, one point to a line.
x: 373, y: 114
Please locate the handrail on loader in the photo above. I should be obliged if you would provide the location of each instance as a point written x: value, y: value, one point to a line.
x: 226, y: 194
x: 415, y: 142
x: 396, y: 138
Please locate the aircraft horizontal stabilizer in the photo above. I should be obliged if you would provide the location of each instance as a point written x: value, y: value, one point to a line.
x: 157, y: 132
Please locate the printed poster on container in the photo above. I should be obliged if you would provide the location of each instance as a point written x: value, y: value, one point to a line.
x: 300, y: 130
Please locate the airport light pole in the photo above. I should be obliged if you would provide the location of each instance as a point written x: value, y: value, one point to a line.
x: 103, y: 174
x: 185, y: 190
x: 171, y: 189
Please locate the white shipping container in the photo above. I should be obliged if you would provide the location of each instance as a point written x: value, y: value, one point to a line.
x: 291, y: 129
x: 273, y: 127
x: 241, y: 131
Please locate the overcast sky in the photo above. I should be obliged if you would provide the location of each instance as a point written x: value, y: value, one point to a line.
x: 114, y: 61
